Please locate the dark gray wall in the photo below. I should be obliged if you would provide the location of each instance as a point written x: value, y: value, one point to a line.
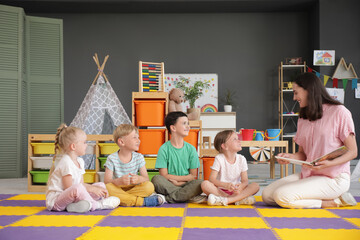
x: 242, y: 41
x: 244, y: 49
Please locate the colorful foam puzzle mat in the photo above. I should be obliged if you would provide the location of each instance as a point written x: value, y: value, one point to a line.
x: 24, y: 216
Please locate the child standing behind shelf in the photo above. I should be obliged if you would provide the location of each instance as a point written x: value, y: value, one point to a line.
x: 228, y: 181
x: 66, y: 188
x: 121, y: 171
x: 178, y: 163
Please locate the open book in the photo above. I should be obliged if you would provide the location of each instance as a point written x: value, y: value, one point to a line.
x: 329, y: 156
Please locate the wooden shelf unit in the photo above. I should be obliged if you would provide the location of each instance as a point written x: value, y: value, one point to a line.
x: 37, y: 138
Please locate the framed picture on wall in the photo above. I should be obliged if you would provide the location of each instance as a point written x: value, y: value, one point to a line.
x: 324, y: 58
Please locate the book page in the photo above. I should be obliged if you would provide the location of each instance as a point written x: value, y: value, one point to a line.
x: 294, y: 161
x: 332, y: 155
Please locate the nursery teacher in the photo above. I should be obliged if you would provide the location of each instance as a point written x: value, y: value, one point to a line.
x: 324, y: 125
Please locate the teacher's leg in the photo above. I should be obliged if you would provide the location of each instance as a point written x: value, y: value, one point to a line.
x: 268, y: 192
x: 310, y: 192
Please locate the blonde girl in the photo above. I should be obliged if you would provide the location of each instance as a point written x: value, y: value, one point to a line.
x: 66, y: 188
x: 228, y: 181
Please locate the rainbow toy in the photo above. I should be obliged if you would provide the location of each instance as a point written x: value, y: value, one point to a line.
x: 208, y: 108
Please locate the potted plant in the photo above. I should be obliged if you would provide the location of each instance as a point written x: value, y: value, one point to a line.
x: 191, y: 94
x: 229, y: 100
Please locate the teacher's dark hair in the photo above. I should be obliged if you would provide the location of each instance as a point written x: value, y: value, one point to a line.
x: 317, y: 96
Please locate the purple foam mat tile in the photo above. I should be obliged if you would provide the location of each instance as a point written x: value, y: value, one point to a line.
x: 6, y: 220
x: 227, y: 234
x: 346, y: 213
x: 5, y: 196
x: 264, y: 205
x: 174, y: 205
x: 222, y: 212
x: 42, y: 233
x: 23, y: 203
x: 138, y: 221
x: 97, y: 212
x: 357, y: 198
x: 312, y: 223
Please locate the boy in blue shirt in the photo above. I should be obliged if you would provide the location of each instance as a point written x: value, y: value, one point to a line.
x: 178, y: 164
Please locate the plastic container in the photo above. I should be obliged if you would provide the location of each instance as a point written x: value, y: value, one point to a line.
x: 89, y: 176
x: 101, y: 176
x: 272, y: 134
x: 39, y: 176
x: 149, y: 112
x: 108, y: 148
x: 151, y: 140
x: 247, y: 134
x: 259, y: 136
x: 90, y: 149
x: 152, y: 174
x: 207, y: 163
x: 150, y: 162
x: 192, y: 138
x: 102, y: 161
x: 43, y: 148
x: 41, y: 162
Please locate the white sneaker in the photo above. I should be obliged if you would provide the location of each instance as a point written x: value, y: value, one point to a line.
x: 81, y: 206
x: 246, y: 201
x: 217, y: 200
x: 161, y: 199
x: 347, y: 200
x: 198, y: 199
x: 109, y: 203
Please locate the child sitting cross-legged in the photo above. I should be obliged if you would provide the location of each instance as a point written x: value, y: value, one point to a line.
x: 228, y: 181
x: 121, y: 171
x: 66, y: 188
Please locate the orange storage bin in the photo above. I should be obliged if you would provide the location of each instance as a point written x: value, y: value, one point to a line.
x: 207, y: 163
x: 151, y: 140
x: 192, y: 138
x: 149, y: 112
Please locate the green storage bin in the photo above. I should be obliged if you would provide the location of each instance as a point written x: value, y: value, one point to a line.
x: 39, y: 176
x: 152, y: 174
x: 102, y: 161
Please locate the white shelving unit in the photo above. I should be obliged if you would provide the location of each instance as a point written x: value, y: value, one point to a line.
x: 287, y: 106
x: 214, y: 122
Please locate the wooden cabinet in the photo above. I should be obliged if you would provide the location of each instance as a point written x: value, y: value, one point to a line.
x: 214, y: 122
x: 41, y: 147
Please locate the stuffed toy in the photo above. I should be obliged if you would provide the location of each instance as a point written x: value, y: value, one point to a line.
x: 176, y: 97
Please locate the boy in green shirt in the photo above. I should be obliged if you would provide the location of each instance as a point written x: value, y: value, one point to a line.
x: 178, y: 163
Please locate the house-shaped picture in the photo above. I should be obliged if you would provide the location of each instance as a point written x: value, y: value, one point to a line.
x: 326, y: 57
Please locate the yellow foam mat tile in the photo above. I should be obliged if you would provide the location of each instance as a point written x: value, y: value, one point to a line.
x: 300, y: 213
x: 224, y: 222
x: 316, y: 234
x: 350, y: 208
x: 152, y: 212
x: 58, y: 221
x: 28, y: 197
x: 20, y: 210
x: 258, y: 198
x: 132, y: 233
x: 195, y: 205
x: 355, y: 221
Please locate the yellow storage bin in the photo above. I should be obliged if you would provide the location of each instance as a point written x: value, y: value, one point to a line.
x: 43, y: 148
x: 108, y: 148
x: 89, y: 176
x: 150, y: 162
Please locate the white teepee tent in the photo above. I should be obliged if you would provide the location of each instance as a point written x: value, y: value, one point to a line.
x: 101, y: 111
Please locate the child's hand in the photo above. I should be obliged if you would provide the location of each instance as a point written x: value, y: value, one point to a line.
x: 99, y: 191
x: 229, y: 186
x: 125, y: 179
x: 134, y: 179
x: 176, y: 183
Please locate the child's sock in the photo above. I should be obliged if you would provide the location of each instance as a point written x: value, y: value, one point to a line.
x: 154, y: 200
x: 81, y: 206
